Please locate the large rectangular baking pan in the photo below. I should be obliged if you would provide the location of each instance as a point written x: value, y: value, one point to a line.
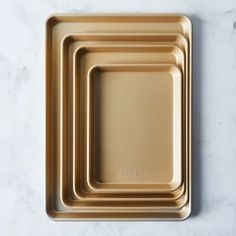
x: 78, y: 39
x: 57, y: 27
x: 104, y: 54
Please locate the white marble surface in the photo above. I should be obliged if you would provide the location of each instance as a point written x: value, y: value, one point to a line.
x: 22, y: 118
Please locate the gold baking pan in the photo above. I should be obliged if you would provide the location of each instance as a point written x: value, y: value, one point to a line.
x: 103, y: 54
x: 111, y: 38
x: 57, y: 27
x: 134, y: 127
x: 88, y: 55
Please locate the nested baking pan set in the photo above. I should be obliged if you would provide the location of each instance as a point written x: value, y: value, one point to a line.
x: 118, y: 117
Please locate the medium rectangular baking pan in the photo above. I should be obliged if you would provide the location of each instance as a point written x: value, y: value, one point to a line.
x: 57, y: 27
x: 153, y: 54
x: 150, y: 38
x: 99, y: 48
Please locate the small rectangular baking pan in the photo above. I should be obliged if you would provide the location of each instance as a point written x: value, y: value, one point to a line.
x: 134, y: 128
x: 58, y: 26
x: 117, y: 128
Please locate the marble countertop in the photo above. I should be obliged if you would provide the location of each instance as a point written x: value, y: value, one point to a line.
x: 22, y: 27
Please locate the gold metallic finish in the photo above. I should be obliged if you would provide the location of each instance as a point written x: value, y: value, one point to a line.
x: 127, y: 112
x: 87, y: 56
x: 70, y: 42
x: 80, y: 118
x: 103, y: 54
